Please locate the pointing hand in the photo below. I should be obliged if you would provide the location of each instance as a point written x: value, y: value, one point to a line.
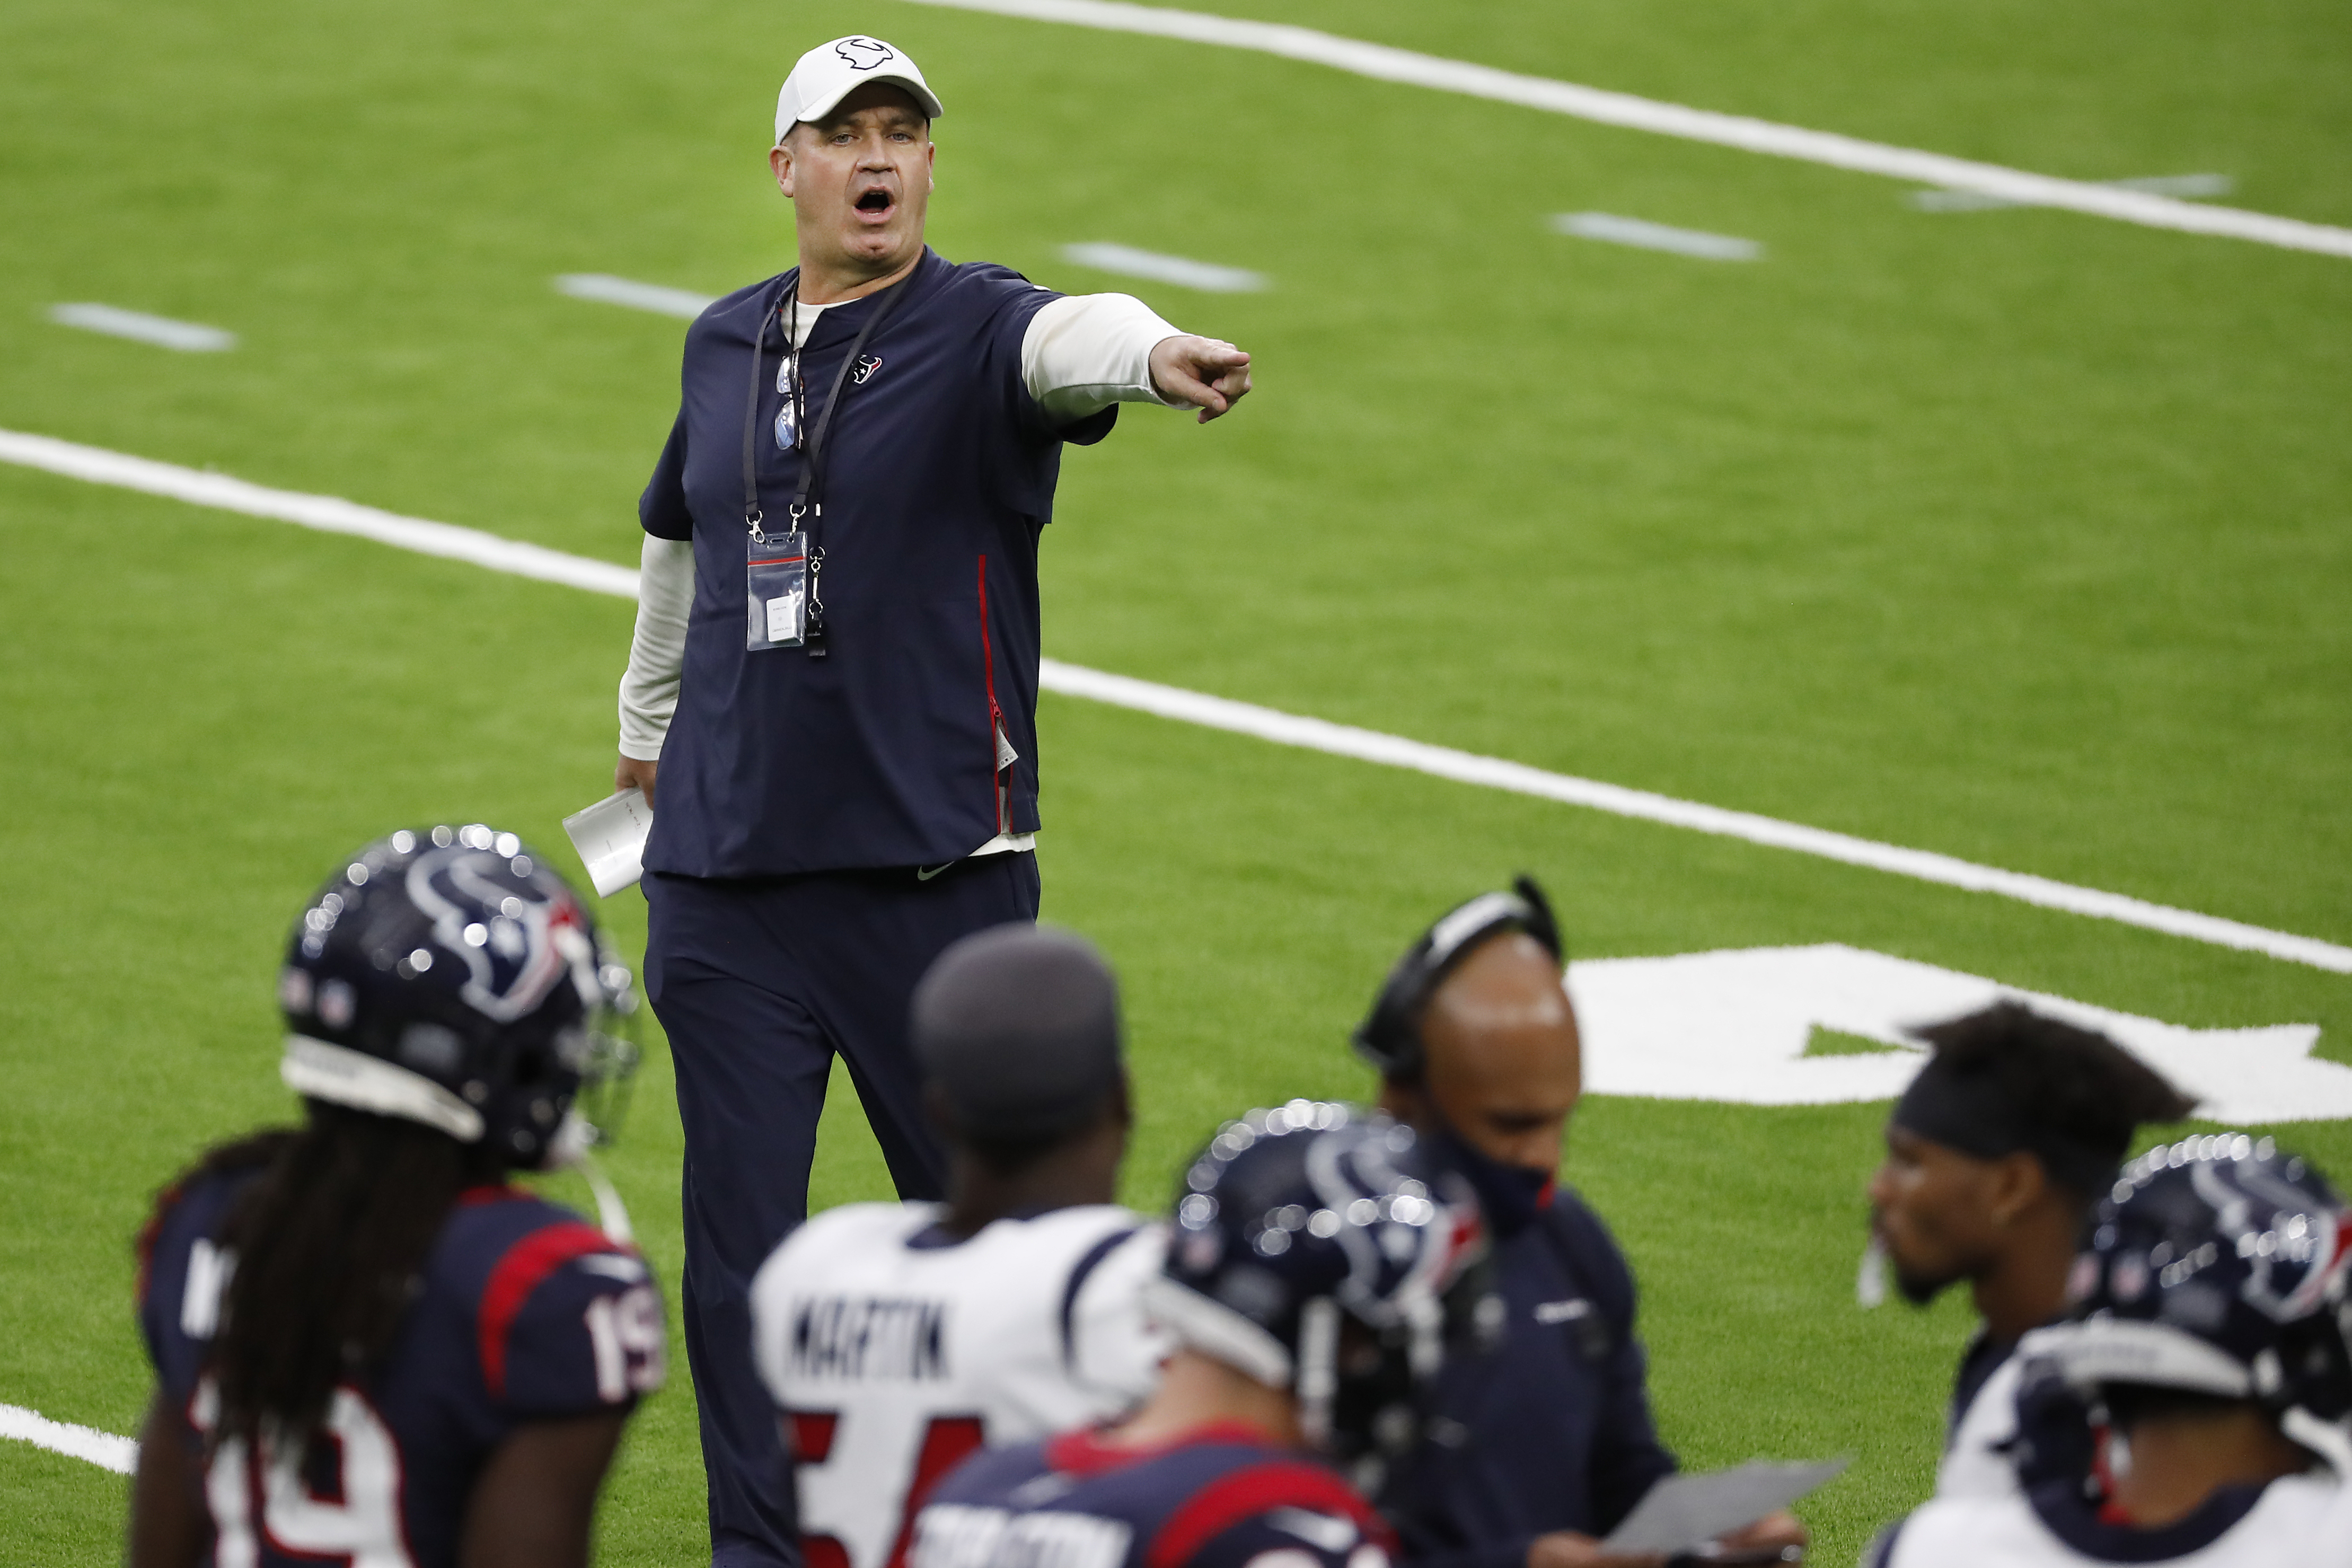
x: 1200, y: 372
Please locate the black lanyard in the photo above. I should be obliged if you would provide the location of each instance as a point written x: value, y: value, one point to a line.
x: 811, y: 442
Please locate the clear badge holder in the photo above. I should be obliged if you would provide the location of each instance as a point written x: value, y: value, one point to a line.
x: 776, y: 575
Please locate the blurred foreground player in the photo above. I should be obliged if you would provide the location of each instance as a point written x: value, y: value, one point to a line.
x: 1545, y: 1445
x: 1993, y: 1156
x: 1314, y: 1276
x: 368, y: 1349
x: 2192, y: 1408
x: 896, y: 1339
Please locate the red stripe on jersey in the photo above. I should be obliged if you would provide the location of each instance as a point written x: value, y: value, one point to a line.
x: 166, y: 1202
x: 947, y: 1441
x: 518, y: 1274
x: 1233, y: 1498
x: 813, y: 1433
x: 495, y: 1193
x: 1084, y: 1453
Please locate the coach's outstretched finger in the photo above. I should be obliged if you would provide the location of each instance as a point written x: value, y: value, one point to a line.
x: 1206, y: 374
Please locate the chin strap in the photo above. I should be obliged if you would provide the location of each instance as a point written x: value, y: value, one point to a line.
x: 2328, y: 1439
x: 612, y: 1216
x: 1870, y: 1279
x: 1317, y: 1383
x: 569, y: 1150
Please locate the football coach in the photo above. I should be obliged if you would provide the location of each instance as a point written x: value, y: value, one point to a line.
x: 834, y: 680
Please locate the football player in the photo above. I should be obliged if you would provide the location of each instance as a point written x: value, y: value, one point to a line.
x: 2192, y: 1407
x: 1313, y: 1281
x: 1993, y: 1155
x: 896, y: 1338
x: 368, y: 1348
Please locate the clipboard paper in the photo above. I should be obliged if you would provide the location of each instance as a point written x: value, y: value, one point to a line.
x: 1687, y: 1510
x: 611, y: 838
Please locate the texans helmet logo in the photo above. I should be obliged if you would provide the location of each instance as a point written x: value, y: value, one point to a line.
x: 536, y: 939
x: 864, y: 54
x: 866, y: 365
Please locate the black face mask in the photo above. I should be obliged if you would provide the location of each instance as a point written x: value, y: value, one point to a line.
x: 1511, y: 1195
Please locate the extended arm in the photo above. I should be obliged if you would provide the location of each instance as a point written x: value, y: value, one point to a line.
x: 657, y: 655
x: 169, y: 1527
x: 1085, y: 352
x: 537, y: 1499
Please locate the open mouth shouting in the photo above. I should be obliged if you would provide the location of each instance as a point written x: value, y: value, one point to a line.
x: 875, y: 205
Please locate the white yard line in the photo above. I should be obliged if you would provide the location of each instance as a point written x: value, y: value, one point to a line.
x: 187, y: 337
x: 329, y: 514
x: 607, y: 290
x: 103, y: 1449
x: 333, y: 515
x: 1383, y: 63
x: 1648, y: 235
x: 2159, y: 185
x: 1179, y: 270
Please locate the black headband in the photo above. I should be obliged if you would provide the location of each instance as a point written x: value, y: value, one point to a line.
x: 1390, y: 1036
x: 1973, y: 1113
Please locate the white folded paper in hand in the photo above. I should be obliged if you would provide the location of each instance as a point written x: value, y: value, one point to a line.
x: 611, y: 838
x: 1685, y: 1512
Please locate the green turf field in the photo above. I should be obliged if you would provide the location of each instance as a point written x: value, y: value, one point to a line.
x: 2017, y: 535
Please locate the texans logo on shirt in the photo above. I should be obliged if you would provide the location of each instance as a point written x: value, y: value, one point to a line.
x: 864, y: 54
x: 866, y: 365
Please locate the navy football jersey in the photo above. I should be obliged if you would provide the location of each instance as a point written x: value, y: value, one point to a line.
x: 526, y: 1314
x: 1222, y: 1496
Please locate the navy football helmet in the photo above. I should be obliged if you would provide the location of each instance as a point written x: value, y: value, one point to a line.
x: 448, y: 977
x: 2219, y: 1265
x: 1299, y: 1221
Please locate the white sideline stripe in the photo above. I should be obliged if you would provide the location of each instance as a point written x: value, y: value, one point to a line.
x: 607, y: 290
x: 188, y: 337
x: 2159, y: 185
x: 1494, y: 772
x: 329, y: 514
x: 1180, y: 271
x: 103, y: 1449
x: 1383, y: 63
x: 1650, y: 236
x: 335, y: 516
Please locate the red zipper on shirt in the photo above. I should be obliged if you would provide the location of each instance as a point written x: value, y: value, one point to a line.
x: 995, y: 713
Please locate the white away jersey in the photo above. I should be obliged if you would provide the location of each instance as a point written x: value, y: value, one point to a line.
x: 894, y: 1352
x: 1975, y: 1459
x: 2298, y: 1521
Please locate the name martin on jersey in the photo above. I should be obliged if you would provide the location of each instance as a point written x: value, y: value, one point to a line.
x: 870, y: 1337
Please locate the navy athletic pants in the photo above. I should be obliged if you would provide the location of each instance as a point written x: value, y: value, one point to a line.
x: 758, y: 984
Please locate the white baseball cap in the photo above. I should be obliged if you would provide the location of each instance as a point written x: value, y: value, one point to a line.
x: 830, y: 72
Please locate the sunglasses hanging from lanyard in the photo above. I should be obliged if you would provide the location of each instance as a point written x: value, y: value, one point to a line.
x: 785, y: 600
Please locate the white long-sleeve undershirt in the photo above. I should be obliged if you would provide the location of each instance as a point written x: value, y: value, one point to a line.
x: 1081, y: 353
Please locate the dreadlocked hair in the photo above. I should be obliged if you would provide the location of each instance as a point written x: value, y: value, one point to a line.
x: 329, y: 1242
x: 2073, y: 1081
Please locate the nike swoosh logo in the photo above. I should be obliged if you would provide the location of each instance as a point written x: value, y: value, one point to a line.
x: 923, y: 876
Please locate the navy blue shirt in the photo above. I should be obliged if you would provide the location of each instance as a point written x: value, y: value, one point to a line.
x: 1552, y: 1429
x: 938, y: 474
x: 525, y: 1313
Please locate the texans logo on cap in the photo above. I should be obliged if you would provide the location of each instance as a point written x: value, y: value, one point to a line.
x: 864, y: 54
